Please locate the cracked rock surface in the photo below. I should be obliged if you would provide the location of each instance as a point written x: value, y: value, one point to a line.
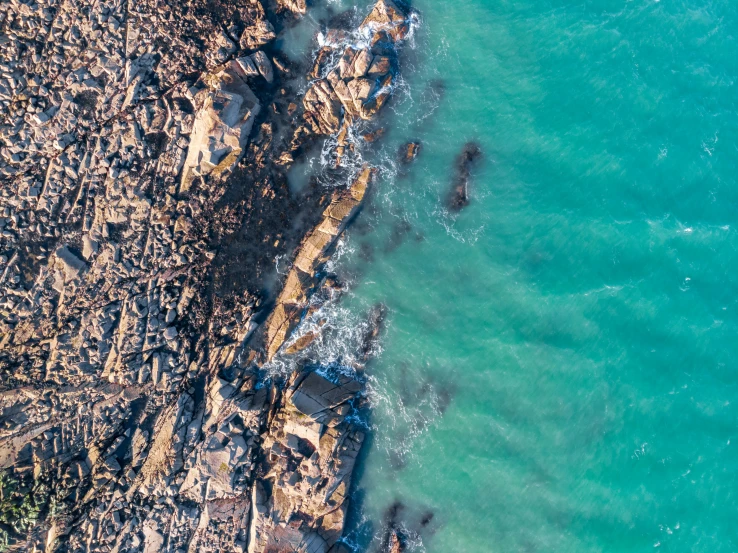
x: 143, y: 200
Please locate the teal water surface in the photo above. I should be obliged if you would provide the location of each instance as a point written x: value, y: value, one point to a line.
x: 558, y: 371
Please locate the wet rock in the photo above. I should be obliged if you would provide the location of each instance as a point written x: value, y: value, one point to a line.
x: 355, y: 83
x: 395, y: 544
x: 408, y: 152
x: 387, y: 17
x: 322, y: 58
x: 297, y: 7
x: 394, y: 539
x: 375, y: 324
x: 301, y: 343
x: 373, y: 136
x: 312, y: 254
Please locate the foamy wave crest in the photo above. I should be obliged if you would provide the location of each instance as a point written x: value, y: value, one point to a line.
x: 404, y: 417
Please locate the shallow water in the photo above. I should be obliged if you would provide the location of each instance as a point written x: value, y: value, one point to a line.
x: 559, y: 368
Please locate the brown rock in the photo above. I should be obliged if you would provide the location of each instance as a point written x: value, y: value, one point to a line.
x: 360, y: 90
x: 362, y: 62
x: 321, y: 59
x: 346, y: 63
x: 259, y: 33
x: 297, y: 7
x: 371, y: 107
x: 381, y: 65
x: 374, y: 135
x: 395, y: 544
x: 408, y: 152
x: 322, y: 108
x: 388, y: 17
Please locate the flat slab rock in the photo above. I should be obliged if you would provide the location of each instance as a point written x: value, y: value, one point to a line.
x: 316, y: 393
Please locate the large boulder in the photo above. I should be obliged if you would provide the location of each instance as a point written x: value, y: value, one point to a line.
x: 388, y: 17
x: 317, y: 394
x: 360, y: 80
x: 222, y: 125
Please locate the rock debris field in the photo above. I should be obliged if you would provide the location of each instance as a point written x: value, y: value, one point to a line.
x: 144, y: 147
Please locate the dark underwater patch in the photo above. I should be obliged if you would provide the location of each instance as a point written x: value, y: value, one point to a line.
x: 468, y: 159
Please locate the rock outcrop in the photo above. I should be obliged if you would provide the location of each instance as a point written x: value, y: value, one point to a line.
x: 359, y: 83
x: 313, y: 252
x: 408, y: 152
x: 311, y: 450
x: 223, y: 124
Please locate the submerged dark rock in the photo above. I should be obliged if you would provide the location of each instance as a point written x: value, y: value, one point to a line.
x: 399, y: 231
x: 375, y: 322
x: 426, y: 519
x: 467, y: 160
x: 373, y: 136
x: 394, y: 539
x: 366, y: 252
x: 141, y: 220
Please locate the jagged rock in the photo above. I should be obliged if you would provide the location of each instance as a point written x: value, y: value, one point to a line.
x: 408, y: 152
x: 373, y: 136
x: 263, y: 65
x: 312, y: 521
x: 297, y: 7
x: 247, y: 65
x: 387, y: 17
x: 222, y: 126
x: 321, y: 60
x: 362, y: 79
x: 322, y: 108
x: 256, y: 35
x: 395, y: 544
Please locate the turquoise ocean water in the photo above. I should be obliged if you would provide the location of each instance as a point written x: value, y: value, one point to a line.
x: 558, y: 371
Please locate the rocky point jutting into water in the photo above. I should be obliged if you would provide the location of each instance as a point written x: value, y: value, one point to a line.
x: 143, y: 201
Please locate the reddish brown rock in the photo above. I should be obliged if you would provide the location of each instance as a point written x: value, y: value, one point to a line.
x: 408, y: 152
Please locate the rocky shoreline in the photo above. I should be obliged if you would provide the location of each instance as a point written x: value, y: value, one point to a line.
x: 143, y: 156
